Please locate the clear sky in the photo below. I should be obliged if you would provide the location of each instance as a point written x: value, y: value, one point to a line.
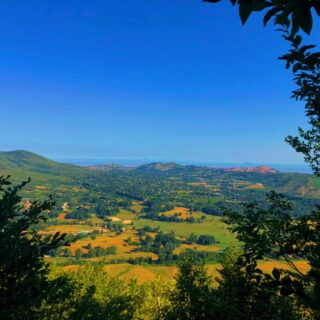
x: 152, y: 79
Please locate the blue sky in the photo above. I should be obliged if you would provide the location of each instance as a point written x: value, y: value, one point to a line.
x: 156, y: 79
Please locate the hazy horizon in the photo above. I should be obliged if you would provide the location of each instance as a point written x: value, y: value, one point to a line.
x: 283, y: 167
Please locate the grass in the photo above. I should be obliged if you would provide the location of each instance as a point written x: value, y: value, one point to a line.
x: 137, y: 207
x: 66, y: 228
x: 316, y: 183
x: 197, y: 247
x: 126, y: 215
x: 212, y: 226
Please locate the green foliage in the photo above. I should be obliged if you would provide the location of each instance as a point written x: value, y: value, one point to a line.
x: 90, y: 293
x: 22, y: 267
x: 203, y: 239
x: 296, y: 13
x: 163, y: 245
x: 242, y: 293
x: 100, y: 252
x: 78, y: 254
x: 192, y: 299
x: 274, y: 232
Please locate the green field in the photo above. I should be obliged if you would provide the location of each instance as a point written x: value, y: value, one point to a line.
x: 212, y: 226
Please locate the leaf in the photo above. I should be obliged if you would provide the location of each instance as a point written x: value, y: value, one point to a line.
x: 270, y: 14
x: 276, y: 274
x: 286, y: 280
x: 306, y: 21
x: 245, y: 9
x: 317, y: 8
x: 282, y: 20
x: 258, y: 5
x: 295, y: 22
x: 297, y: 40
x: 297, y: 286
x: 286, y: 291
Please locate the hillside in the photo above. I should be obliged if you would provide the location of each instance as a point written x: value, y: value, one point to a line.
x: 22, y: 160
x: 162, y: 184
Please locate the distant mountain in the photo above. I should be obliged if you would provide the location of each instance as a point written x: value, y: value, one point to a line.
x: 172, y: 166
x: 259, y: 169
x: 160, y: 166
x: 25, y: 161
x: 167, y: 181
x: 107, y: 167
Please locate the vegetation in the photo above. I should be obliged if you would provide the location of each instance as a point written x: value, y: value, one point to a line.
x: 23, y: 280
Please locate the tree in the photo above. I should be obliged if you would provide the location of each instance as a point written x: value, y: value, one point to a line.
x: 78, y: 254
x: 192, y: 299
x: 300, y: 12
x: 274, y: 231
x: 23, y: 271
x: 243, y: 295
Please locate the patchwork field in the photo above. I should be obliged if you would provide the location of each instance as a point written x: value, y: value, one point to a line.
x: 145, y: 273
x: 94, y: 233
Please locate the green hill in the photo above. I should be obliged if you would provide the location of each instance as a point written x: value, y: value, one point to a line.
x: 25, y: 161
x: 159, y: 186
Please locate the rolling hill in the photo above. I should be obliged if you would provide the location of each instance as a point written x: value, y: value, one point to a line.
x: 166, y: 183
x: 28, y: 161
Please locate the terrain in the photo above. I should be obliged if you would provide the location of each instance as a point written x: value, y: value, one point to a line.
x: 139, y: 222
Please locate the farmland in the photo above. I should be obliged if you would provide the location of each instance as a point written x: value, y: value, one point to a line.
x: 139, y: 222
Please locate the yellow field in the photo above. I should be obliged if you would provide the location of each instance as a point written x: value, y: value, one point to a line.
x: 70, y: 229
x: 40, y: 187
x: 197, y: 247
x: 76, y: 189
x: 61, y: 216
x: 185, y: 213
x: 267, y: 266
x: 137, y: 207
x: 145, y: 273
x: 108, y: 239
x: 141, y: 273
x: 257, y: 186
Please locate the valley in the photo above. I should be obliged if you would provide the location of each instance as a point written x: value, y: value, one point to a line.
x: 139, y: 222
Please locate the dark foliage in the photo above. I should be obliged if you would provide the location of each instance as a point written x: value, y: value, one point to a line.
x: 22, y: 268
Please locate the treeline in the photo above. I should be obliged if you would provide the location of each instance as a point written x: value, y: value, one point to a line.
x: 92, y: 252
